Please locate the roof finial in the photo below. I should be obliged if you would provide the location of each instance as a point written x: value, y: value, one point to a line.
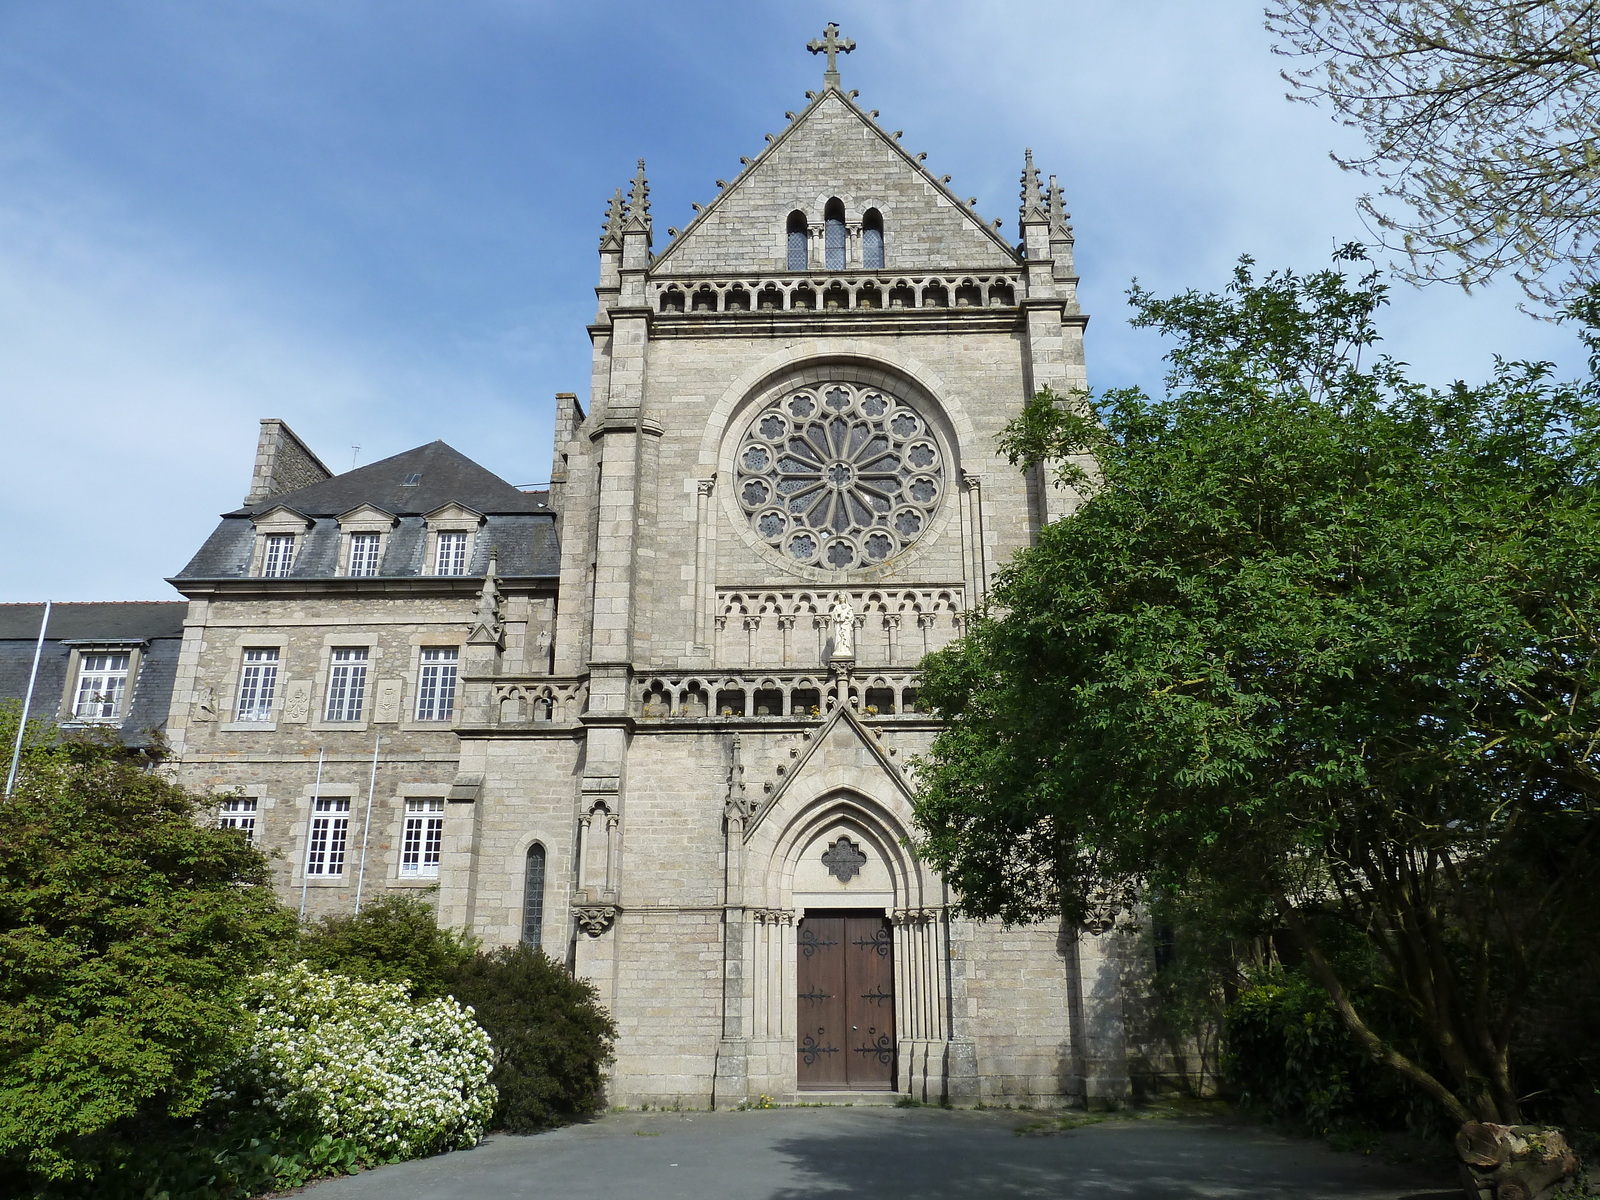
x: 638, y: 202
x: 611, y: 238
x: 1058, y: 213
x: 831, y: 44
x: 1032, y: 201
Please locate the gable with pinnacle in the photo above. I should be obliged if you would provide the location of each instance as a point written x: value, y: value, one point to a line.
x: 833, y: 149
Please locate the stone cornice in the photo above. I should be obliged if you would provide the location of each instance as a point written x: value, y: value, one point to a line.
x: 812, y: 323
x: 254, y: 588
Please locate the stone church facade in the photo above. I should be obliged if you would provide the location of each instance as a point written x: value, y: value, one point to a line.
x: 660, y: 719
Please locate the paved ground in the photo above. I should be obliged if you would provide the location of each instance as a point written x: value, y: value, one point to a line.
x: 886, y: 1153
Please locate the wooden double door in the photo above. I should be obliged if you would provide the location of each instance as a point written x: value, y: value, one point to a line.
x: 846, y: 1002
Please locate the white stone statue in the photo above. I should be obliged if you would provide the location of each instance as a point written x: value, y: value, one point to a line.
x: 844, y: 628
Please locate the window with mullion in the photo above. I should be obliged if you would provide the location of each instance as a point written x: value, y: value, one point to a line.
x: 239, y: 813
x: 258, y: 681
x: 436, y: 684
x: 329, y: 833
x: 450, y: 554
x: 424, y: 835
x: 102, y: 681
x: 364, y: 554
x: 347, y: 684
x: 277, y: 558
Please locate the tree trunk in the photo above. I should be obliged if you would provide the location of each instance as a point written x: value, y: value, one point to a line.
x: 1512, y: 1162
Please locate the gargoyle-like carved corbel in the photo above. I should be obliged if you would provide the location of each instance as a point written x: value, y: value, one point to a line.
x: 595, y: 919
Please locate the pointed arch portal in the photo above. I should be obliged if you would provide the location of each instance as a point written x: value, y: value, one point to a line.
x: 838, y: 935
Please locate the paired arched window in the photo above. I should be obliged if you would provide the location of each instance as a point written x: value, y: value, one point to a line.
x: 835, y: 239
x: 872, y: 240
x: 833, y: 235
x: 799, y: 243
x: 533, y: 898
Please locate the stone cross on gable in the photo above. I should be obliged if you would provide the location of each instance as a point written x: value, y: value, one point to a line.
x: 831, y: 44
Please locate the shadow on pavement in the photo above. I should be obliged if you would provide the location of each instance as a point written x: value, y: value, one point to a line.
x: 1120, y: 1160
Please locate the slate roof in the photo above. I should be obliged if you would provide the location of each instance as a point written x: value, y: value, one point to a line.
x: 518, y: 525
x: 446, y: 475
x: 137, y: 621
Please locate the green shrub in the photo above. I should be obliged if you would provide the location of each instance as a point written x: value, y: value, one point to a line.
x: 1290, y: 1059
x: 126, y: 930
x: 552, y: 1038
x: 383, y: 1078
x: 336, y: 1075
x: 395, y: 939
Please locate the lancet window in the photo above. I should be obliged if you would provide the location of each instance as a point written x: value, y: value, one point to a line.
x: 872, y: 240
x: 833, y: 234
x: 799, y: 242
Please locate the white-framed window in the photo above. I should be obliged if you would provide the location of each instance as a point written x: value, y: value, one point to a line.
x: 239, y: 812
x: 436, y: 683
x: 277, y: 555
x: 364, y: 554
x: 347, y: 683
x: 450, y: 554
x: 258, y: 682
x: 424, y: 833
x: 330, y: 831
x: 102, y: 685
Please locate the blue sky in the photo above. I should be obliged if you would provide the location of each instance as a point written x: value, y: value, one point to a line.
x: 378, y: 220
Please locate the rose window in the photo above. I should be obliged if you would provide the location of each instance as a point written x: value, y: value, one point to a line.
x: 839, y: 476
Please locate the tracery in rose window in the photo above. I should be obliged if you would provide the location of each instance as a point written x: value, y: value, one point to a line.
x: 839, y: 476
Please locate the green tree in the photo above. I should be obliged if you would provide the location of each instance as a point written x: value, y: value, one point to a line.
x: 395, y: 939
x: 1483, y: 121
x: 1318, y: 639
x: 126, y: 928
x: 552, y: 1039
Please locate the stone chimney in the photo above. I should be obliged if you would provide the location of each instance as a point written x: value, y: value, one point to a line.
x: 283, y: 463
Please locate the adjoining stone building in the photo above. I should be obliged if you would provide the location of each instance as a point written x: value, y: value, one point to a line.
x: 659, y: 718
x: 105, y: 665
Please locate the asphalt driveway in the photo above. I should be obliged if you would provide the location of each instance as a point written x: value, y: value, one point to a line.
x: 886, y: 1153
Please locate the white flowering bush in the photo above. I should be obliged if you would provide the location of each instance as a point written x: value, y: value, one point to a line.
x: 370, y: 1070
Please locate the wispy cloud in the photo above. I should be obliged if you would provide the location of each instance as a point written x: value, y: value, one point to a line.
x: 378, y: 221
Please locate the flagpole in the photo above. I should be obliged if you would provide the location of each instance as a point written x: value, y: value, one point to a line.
x: 366, y: 829
x: 27, y: 700
x: 305, y: 860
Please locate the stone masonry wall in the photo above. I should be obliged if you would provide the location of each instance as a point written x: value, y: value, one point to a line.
x: 924, y: 229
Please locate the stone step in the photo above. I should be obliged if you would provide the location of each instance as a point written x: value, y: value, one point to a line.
x: 861, y: 1099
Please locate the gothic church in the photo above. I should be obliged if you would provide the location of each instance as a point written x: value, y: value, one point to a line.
x: 659, y: 719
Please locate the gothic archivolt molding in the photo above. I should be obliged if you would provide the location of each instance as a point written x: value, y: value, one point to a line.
x: 791, y: 828
x: 873, y: 364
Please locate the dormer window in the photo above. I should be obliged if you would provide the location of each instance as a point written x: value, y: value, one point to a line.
x: 872, y: 240
x: 364, y: 554
x: 102, y: 683
x: 799, y: 242
x: 364, y: 529
x: 451, y: 554
x: 278, y: 534
x: 277, y: 556
x: 834, y: 234
x: 450, y: 538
